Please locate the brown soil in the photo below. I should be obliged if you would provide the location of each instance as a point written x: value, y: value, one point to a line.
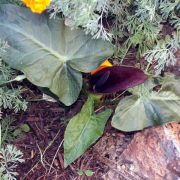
x: 42, y: 146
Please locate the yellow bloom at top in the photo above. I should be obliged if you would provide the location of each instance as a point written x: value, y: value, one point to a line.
x: 105, y: 64
x: 37, y: 6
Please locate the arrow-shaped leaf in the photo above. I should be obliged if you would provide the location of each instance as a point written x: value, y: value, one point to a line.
x: 49, y: 53
x: 135, y: 112
x: 83, y: 130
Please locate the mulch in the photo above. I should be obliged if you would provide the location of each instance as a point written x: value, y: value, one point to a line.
x: 42, y: 146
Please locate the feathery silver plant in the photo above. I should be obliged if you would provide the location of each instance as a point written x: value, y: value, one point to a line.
x: 163, y: 54
x: 87, y: 14
x: 9, y: 97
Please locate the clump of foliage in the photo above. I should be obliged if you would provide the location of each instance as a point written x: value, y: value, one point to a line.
x: 163, y: 54
x: 10, y: 156
x: 9, y: 97
x: 137, y: 23
x: 12, y: 99
x: 6, y: 130
x: 53, y: 59
x: 56, y: 59
x: 87, y: 14
x: 146, y: 107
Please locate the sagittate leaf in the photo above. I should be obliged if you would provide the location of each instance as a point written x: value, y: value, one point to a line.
x: 135, y: 113
x: 83, y: 130
x: 117, y: 78
x: 50, y: 54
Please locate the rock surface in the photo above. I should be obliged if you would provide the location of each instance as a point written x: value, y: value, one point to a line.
x: 153, y: 154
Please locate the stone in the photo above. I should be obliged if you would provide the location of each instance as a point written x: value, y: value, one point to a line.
x: 151, y: 154
x: 155, y: 153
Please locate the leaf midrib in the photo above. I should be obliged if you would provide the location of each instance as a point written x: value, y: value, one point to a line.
x: 38, y: 43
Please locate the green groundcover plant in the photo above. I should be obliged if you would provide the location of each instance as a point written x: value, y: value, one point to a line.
x: 10, y: 97
x: 54, y: 49
x: 10, y: 156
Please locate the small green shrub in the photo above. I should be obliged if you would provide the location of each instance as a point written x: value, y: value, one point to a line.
x: 10, y: 156
x: 9, y: 97
x: 136, y: 23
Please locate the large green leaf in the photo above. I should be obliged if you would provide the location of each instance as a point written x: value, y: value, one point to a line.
x: 136, y: 112
x: 49, y: 53
x: 83, y: 130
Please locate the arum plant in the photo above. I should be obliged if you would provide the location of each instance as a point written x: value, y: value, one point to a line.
x: 146, y: 107
x: 117, y: 78
x: 50, y: 54
x: 83, y: 130
x: 86, y: 127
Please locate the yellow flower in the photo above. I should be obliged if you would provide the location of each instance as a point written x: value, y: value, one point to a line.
x: 105, y: 64
x: 37, y: 6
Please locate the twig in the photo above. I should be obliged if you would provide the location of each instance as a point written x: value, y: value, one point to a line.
x: 99, y: 109
x: 55, y: 156
x: 50, y: 144
x: 118, y: 96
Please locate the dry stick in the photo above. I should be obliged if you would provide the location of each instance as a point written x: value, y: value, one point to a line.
x: 31, y: 170
x: 50, y: 144
x: 118, y: 96
x: 111, y: 101
x: 99, y: 109
x: 55, y: 155
x: 41, y: 157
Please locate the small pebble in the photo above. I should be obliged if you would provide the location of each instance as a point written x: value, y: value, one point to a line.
x: 131, y: 168
x: 119, y: 167
x: 123, y: 166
